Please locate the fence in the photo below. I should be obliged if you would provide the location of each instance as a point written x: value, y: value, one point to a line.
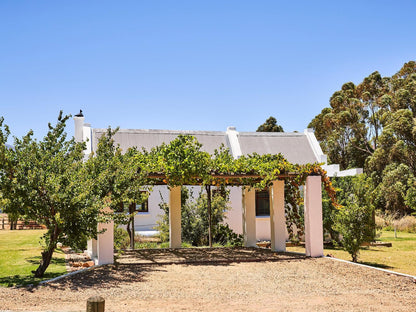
x: 6, y: 224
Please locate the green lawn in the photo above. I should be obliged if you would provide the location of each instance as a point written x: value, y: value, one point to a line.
x: 401, y: 257
x: 20, y: 253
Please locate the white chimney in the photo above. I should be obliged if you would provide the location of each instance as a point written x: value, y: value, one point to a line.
x: 79, y: 125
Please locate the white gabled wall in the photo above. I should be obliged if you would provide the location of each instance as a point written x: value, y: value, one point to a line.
x: 332, y: 170
x: 316, y: 148
x: 86, y: 137
x: 234, y: 214
x: 234, y: 144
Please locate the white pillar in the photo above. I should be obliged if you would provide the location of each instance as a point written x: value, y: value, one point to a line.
x: 277, y: 216
x: 249, y: 217
x: 313, y: 217
x: 92, y: 248
x: 175, y: 239
x: 105, y: 243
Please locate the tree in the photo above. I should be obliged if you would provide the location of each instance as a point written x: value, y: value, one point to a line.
x: 354, y: 220
x: 396, y: 190
x: 270, y: 125
x: 354, y: 223
x: 117, y: 180
x: 373, y: 126
x: 45, y: 181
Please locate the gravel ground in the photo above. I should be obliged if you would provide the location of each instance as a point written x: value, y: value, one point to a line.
x: 234, y: 280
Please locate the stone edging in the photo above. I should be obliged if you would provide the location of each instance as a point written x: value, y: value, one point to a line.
x: 375, y: 268
x: 67, y: 274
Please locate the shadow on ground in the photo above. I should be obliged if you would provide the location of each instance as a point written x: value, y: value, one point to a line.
x: 377, y: 265
x: 134, y: 266
x: 203, y: 256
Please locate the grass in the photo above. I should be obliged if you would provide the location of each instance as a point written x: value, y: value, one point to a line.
x: 20, y: 253
x: 401, y: 257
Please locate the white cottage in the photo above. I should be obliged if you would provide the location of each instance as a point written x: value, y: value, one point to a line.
x: 300, y: 148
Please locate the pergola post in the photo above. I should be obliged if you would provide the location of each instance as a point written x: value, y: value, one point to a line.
x: 175, y: 239
x: 249, y: 217
x: 105, y: 242
x: 277, y: 216
x: 313, y: 217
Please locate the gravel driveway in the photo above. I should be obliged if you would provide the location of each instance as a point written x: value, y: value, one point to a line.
x: 234, y: 280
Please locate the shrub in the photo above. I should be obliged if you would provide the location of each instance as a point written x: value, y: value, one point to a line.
x: 121, y: 238
x: 355, y: 224
x: 406, y: 224
x: 226, y: 237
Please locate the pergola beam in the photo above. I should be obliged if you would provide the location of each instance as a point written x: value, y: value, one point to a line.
x: 233, y: 179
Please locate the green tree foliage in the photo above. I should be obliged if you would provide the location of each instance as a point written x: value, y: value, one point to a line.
x: 270, y: 125
x: 355, y: 225
x: 49, y: 182
x: 45, y: 181
x: 354, y: 220
x: 395, y: 192
x: 115, y: 180
x: 359, y: 187
x: 373, y: 126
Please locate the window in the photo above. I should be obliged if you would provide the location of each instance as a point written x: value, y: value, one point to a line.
x: 143, y: 207
x: 262, y: 203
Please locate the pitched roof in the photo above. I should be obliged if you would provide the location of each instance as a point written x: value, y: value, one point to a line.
x: 295, y: 147
x: 142, y: 138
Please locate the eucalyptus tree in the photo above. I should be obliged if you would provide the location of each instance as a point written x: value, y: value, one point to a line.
x: 372, y: 125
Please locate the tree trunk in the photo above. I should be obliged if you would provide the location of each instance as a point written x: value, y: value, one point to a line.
x: 47, y: 254
x: 46, y: 260
x: 132, y: 233
x: 208, y: 188
x: 131, y: 221
x: 128, y: 229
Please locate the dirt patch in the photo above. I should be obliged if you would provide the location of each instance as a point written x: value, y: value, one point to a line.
x: 235, y: 280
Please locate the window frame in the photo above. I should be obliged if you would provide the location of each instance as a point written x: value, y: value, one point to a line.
x: 260, y: 197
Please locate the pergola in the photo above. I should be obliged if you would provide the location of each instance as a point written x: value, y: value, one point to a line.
x: 102, y: 249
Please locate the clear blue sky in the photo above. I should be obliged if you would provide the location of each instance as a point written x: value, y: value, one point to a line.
x: 201, y: 65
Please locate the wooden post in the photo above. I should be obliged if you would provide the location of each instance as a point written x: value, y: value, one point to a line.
x: 95, y: 304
